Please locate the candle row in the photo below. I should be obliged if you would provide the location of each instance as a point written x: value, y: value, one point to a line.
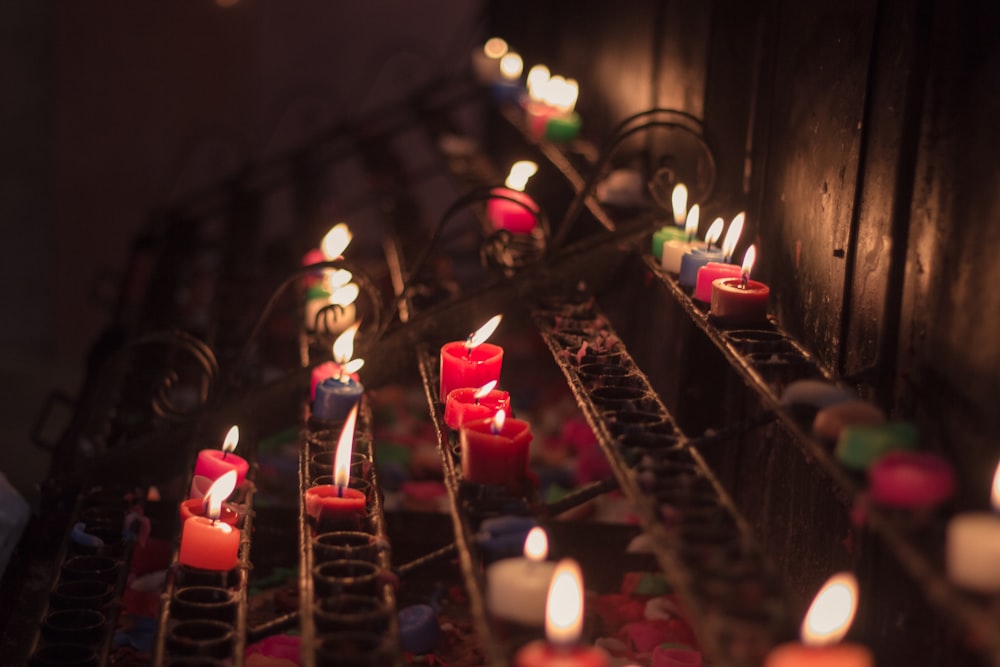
x: 330, y: 295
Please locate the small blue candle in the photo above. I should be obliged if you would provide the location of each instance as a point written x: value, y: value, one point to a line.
x: 419, y: 630
x: 693, y: 260
x: 335, y: 397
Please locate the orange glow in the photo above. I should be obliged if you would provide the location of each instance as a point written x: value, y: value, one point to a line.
x: 485, y: 389
x: 495, y: 48
x: 484, y: 332
x: 231, y: 440
x: 564, y: 605
x: 335, y: 241
x: 832, y: 611
x: 499, y: 419
x: 715, y: 231
x: 538, y: 76
x: 748, y: 261
x: 733, y: 236
x: 336, y: 278
x: 343, y: 347
x: 679, y: 202
x: 221, y: 489
x: 345, y: 446
x: 561, y: 93
x: 353, y: 366
x: 511, y: 66
x: 995, y: 498
x: 519, y: 174
x: 536, y: 545
x: 346, y: 295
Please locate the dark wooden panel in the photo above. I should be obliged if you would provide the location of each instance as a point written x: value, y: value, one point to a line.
x: 812, y: 130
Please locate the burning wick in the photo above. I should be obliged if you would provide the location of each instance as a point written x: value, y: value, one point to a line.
x: 221, y: 489
x: 714, y: 233
x: 498, y: 421
x: 479, y: 336
x: 732, y: 237
x: 232, y: 439
x: 485, y: 389
x: 343, y: 350
x: 691, y: 221
x: 345, y: 446
x: 748, y: 261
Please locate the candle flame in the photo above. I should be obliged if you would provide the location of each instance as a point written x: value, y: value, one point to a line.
x: 221, y: 489
x: 691, y: 222
x: 495, y: 48
x: 519, y: 174
x: 335, y: 241
x: 483, y: 332
x: 733, y: 236
x: 715, y: 231
x: 345, y: 446
x: 536, y: 545
x: 560, y: 93
x: 336, y: 278
x: 485, y: 389
x: 564, y: 604
x: 511, y: 66
x: 346, y: 295
x: 343, y: 347
x: 995, y: 499
x: 748, y: 261
x: 832, y: 611
x: 353, y: 366
x: 231, y: 440
x: 499, y: 419
x: 538, y: 76
x: 679, y: 202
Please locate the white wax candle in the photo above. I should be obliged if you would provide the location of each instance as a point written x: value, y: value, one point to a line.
x: 516, y: 589
x: 974, y: 550
x: 673, y: 251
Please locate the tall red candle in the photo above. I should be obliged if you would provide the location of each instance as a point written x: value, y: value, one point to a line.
x: 471, y: 363
x: 469, y: 404
x: 495, y: 451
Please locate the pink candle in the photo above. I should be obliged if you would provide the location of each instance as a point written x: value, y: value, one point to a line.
x: 212, y: 464
x: 336, y: 502
x: 709, y: 274
x: 911, y: 480
x: 471, y: 363
x: 469, y: 404
x: 509, y: 215
x: 495, y: 451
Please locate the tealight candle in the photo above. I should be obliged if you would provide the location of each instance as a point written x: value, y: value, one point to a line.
x: 495, y: 451
x: 664, y: 235
x: 713, y: 271
x: 550, y: 113
x: 221, y: 488
x: 911, y: 480
x: 516, y: 588
x: 342, y: 351
x: 507, y: 88
x: 470, y: 404
x: 563, y: 625
x: 208, y: 543
x: 973, y: 546
x: 472, y: 362
x: 335, y: 396
x: 675, y: 249
x: 740, y: 300
x: 337, y: 502
x: 697, y: 257
x: 825, y: 624
x: 212, y: 464
x: 518, y: 218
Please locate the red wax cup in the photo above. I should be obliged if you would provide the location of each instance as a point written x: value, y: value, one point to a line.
x: 500, y: 458
x: 538, y: 114
x: 461, y: 406
x: 327, y: 369
x: 214, y: 463
x: 543, y: 654
x: 736, y: 304
x: 709, y: 274
x: 461, y: 367
x: 794, y: 654
x: 196, y: 507
x: 209, y: 545
x: 327, y: 502
x: 505, y: 214
x: 911, y: 480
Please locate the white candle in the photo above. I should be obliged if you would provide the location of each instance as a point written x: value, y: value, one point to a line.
x: 973, y: 547
x: 516, y: 588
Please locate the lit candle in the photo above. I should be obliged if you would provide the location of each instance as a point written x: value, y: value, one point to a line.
x: 507, y: 88
x: 207, y: 542
x: 337, y: 502
x: 714, y: 270
x: 332, y: 246
x: 221, y: 488
x: 342, y: 351
x: 740, y: 300
x: 472, y: 362
x: 697, y: 256
x: 510, y: 215
x: 212, y: 464
x: 336, y: 305
x: 516, y: 588
x: 470, y: 404
x: 563, y: 625
x: 911, y: 480
x: 973, y: 546
x: 495, y: 451
x: 675, y: 249
x: 486, y: 61
x: 550, y: 111
x: 825, y: 624
x: 336, y: 395
x: 675, y: 232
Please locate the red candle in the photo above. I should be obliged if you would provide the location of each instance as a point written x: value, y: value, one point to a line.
x: 495, y: 451
x: 469, y: 404
x: 335, y: 502
x: 563, y: 623
x: 825, y: 624
x: 509, y: 215
x: 911, y: 480
x: 740, y: 300
x: 219, y: 491
x: 471, y: 363
x: 206, y: 541
x: 212, y: 464
x: 709, y: 274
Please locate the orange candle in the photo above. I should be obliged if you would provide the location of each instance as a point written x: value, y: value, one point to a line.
x: 221, y: 488
x: 206, y: 542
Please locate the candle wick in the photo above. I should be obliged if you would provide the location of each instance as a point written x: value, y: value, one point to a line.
x: 340, y: 491
x: 225, y: 453
x: 743, y: 281
x: 477, y: 400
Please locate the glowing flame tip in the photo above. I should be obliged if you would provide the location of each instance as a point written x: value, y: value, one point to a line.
x: 564, y: 604
x: 335, y: 241
x: 495, y: 48
x: 343, y: 347
x: 345, y: 446
x: 733, y: 236
x: 692, y: 220
x: 511, y: 66
x: 715, y: 231
x: 485, y: 389
x: 221, y: 489
x: 536, y: 545
x: 748, y: 261
x: 519, y: 174
x: 484, y: 332
x: 832, y: 611
x: 679, y: 202
x: 231, y: 440
x: 996, y: 489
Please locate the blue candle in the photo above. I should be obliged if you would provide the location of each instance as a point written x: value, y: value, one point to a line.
x: 693, y: 260
x: 335, y: 398
x: 419, y: 630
